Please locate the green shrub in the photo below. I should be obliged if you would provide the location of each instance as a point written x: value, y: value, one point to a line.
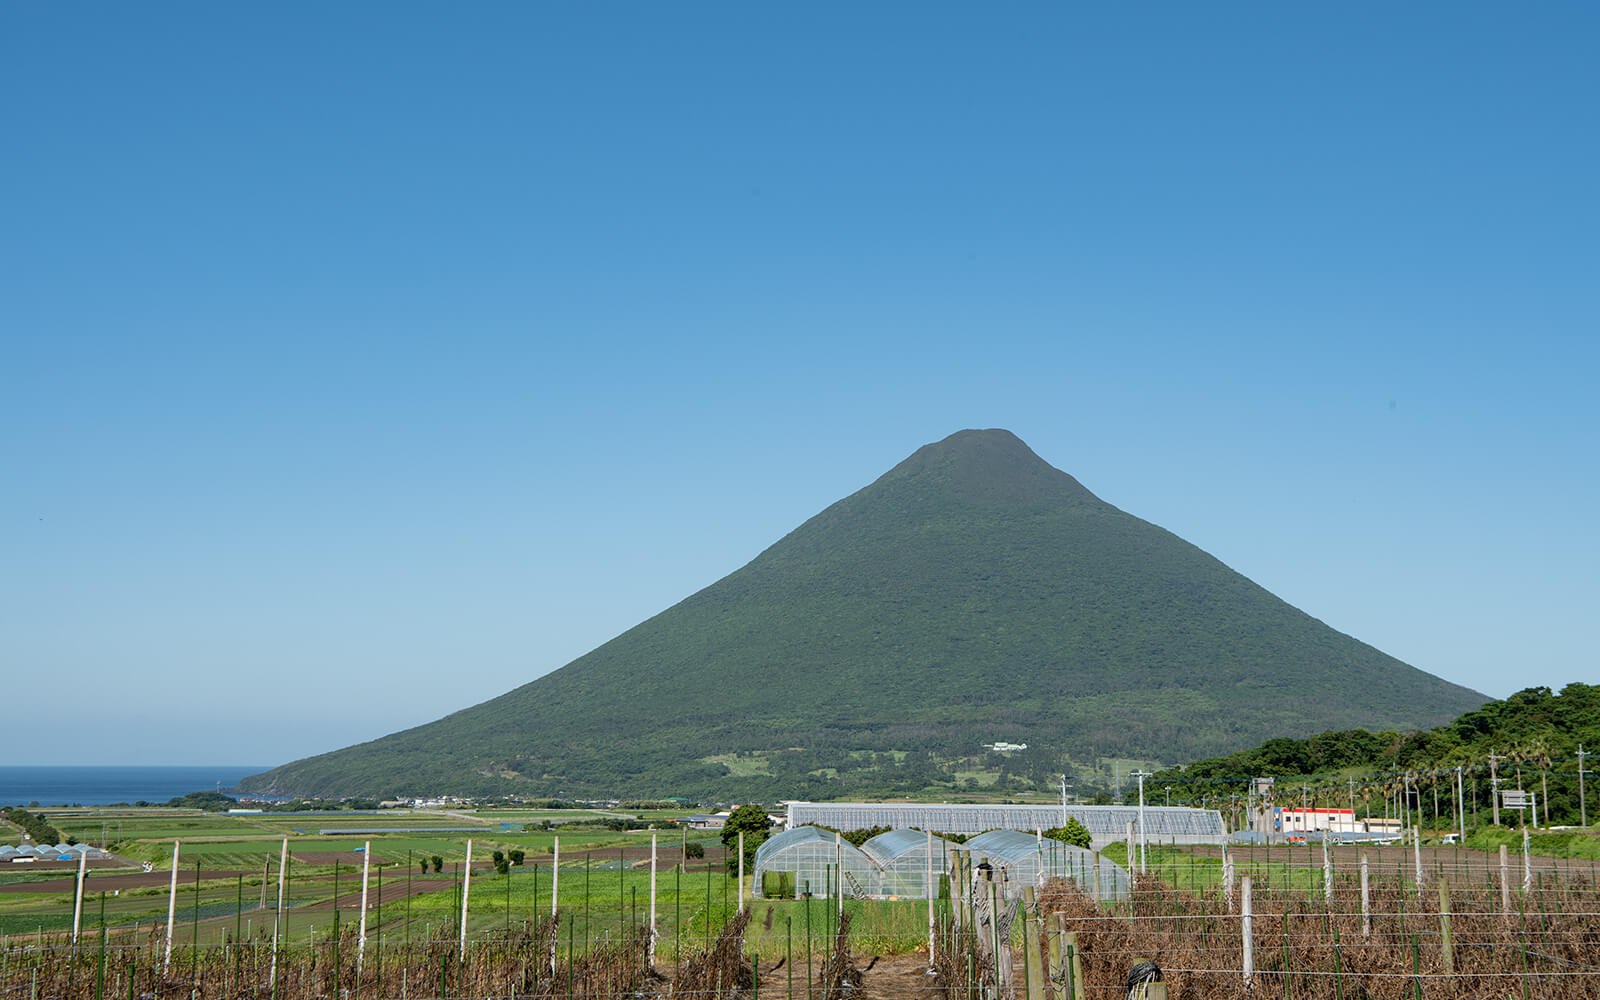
x: 1074, y: 833
x: 859, y: 837
x: 777, y: 885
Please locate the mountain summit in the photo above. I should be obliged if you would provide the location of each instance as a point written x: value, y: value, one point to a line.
x: 972, y: 593
x: 990, y: 467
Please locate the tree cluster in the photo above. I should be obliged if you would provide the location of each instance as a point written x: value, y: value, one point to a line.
x: 209, y: 801
x: 1072, y: 832
x: 859, y: 837
x: 1534, y: 736
x: 33, y: 825
x: 752, y: 820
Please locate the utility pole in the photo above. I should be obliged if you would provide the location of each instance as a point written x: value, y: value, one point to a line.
x: 1141, y: 775
x: 1063, y: 800
x: 1583, y: 804
x: 1461, y: 805
x: 1494, y: 785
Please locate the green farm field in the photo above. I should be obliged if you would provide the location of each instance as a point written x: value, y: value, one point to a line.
x: 235, y: 857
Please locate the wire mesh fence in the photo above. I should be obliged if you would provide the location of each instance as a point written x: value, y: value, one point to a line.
x: 1292, y: 922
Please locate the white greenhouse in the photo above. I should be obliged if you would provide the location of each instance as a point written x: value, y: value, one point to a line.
x: 810, y: 860
x: 1027, y: 859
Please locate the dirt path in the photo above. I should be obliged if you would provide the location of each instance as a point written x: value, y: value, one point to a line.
x: 889, y: 977
x: 899, y: 977
x: 127, y: 880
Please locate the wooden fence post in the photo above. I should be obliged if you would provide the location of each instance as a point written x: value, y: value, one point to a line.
x: 1036, y: 971
x: 466, y: 889
x: 1055, y: 972
x: 1505, y: 883
x: 77, y: 899
x: 962, y: 891
x: 1075, y: 984
x: 1446, y: 943
x: 1000, y: 951
x: 1227, y: 877
x: 361, y: 935
x: 652, y: 954
x: 1366, y: 900
x: 933, y: 894
x: 1416, y: 849
x: 1246, y: 930
x: 1327, y: 869
x: 172, y: 909
x: 1527, y: 864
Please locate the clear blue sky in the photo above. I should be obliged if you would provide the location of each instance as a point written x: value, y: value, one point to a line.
x: 362, y: 362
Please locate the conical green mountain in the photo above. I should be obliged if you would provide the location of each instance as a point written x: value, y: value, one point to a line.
x: 971, y: 594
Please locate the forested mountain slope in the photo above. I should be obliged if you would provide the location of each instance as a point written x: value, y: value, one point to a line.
x: 972, y: 593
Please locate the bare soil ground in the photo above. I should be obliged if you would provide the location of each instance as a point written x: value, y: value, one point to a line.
x: 392, y: 892
x: 129, y: 880
x: 898, y: 977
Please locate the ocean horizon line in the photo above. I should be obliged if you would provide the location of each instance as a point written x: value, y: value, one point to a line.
x: 58, y: 785
x: 202, y: 765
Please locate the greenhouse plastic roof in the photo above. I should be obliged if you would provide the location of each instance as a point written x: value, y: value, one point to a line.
x: 1009, y: 845
x: 1104, y: 823
x: 798, y: 836
x: 885, y: 847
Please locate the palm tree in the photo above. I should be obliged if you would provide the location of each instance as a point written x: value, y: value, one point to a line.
x: 1367, y: 790
x: 1538, y: 750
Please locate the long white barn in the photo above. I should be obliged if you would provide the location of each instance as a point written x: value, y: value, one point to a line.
x: 1106, y: 824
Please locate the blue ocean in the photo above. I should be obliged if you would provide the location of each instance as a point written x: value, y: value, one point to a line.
x: 102, y: 785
